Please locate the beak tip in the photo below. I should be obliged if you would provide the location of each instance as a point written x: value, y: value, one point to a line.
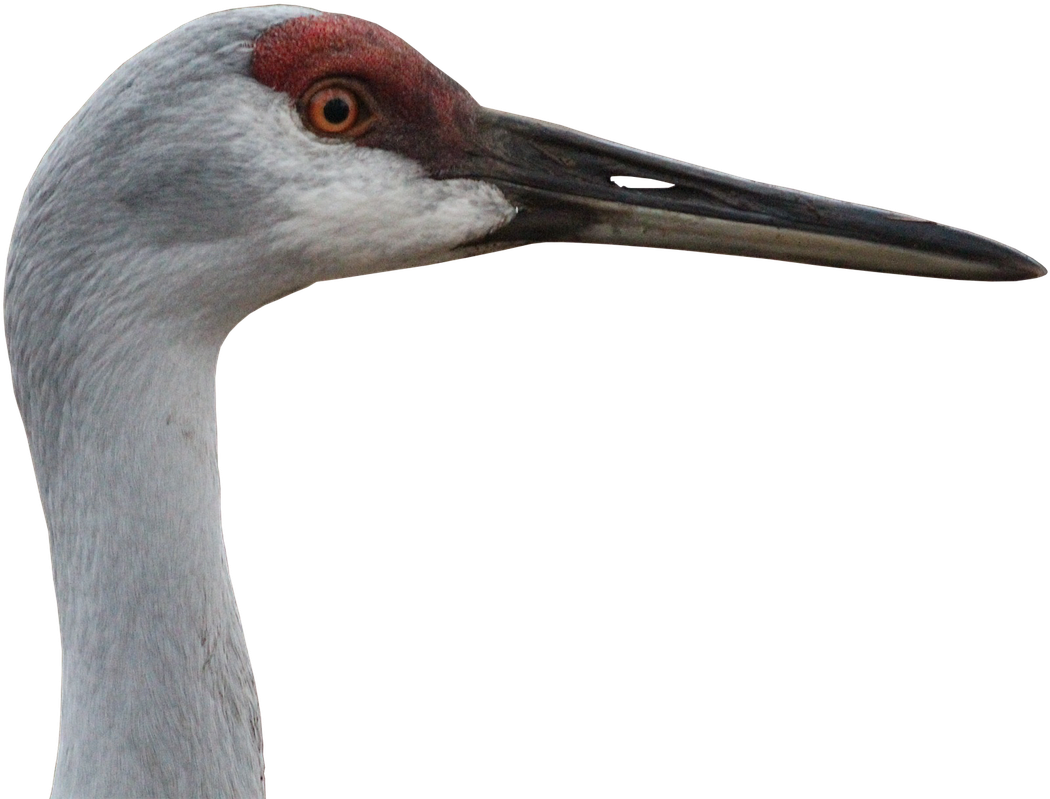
x: 1028, y: 268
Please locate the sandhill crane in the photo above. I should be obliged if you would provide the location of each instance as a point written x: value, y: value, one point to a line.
x: 170, y: 190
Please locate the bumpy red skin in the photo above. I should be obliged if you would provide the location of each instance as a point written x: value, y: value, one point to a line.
x: 420, y: 111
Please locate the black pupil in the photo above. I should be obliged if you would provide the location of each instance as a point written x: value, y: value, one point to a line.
x: 336, y: 110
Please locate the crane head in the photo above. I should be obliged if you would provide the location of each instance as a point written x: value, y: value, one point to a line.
x: 256, y: 151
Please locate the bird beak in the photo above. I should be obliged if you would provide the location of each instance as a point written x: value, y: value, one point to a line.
x: 561, y: 183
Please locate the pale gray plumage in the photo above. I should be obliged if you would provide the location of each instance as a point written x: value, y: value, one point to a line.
x: 132, y: 259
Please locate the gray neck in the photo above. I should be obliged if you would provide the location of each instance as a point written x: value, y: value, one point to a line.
x: 158, y: 698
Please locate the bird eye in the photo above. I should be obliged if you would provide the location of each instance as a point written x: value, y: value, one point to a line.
x: 334, y: 108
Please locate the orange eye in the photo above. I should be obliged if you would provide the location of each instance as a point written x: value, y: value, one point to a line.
x: 331, y: 108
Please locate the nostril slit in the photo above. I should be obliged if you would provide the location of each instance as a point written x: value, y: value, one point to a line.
x: 631, y: 182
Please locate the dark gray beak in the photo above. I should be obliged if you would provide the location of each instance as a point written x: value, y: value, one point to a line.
x: 560, y: 181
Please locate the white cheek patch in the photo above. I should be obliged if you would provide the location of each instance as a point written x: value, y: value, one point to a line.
x: 377, y: 210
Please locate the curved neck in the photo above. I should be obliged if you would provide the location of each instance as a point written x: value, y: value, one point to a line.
x: 158, y: 697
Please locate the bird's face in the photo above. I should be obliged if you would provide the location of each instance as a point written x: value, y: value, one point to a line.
x: 204, y: 178
x: 447, y: 177
x: 453, y: 178
x: 379, y: 138
x: 254, y: 152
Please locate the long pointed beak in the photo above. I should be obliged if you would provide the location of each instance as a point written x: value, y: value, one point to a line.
x: 561, y: 183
